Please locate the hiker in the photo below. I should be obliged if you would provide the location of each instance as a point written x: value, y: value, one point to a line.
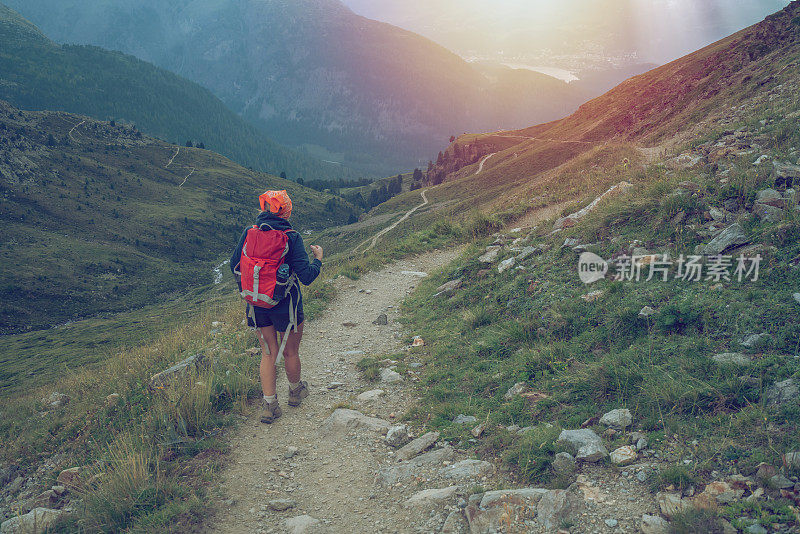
x: 268, y: 262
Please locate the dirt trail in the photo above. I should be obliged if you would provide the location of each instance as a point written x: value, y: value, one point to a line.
x: 73, y: 129
x: 177, y: 151
x: 374, y: 239
x: 332, y: 476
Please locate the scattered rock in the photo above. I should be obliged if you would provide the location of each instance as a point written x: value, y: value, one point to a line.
x: 625, y: 455
x: 765, y: 471
x: 620, y: 419
x: 455, y: 523
x: 390, y: 376
x: 491, y: 255
x: 382, y: 320
x: 303, y: 524
x: 718, y: 492
x: 56, y: 400
x: 335, y: 385
x: 780, y: 482
x: 414, y: 273
x: 756, y: 341
x: 755, y: 528
x: 731, y: 358
x: 417, y: 446
x: 448, y: 287
x: 731, y: 237
x: 489, y: 512
x: 784, y: 392
x: 564, y: 464
x: 611, y: 523
x: 343, y: 420
x: 466, y: 469
x: 653, y: 524
x: 768, y: 213
x: 770, y: 197
x: 431, y: 496
x: 397, y: 436
x: 586, y: 445
x: 71, y: 478
x: 506, y: 265
x: 647, y: 311
x: 462, y: 419
x: 478, y: 430
x: 557, y: 507
x: 36, y: 521
x: 593, y: 295
x: 796, y: 297
x: 671, y: 504
x: 792, y: 459
x: 418, y: 342
x: 405, y: 470
x: 514, y: 390
x: 371, y: 395
x: 281, y: 505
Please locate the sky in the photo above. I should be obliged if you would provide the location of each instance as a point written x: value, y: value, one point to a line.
x: 656, y: 31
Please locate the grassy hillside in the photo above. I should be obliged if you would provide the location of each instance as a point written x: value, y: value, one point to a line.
x: 36, y: 73
x: 124, y: 220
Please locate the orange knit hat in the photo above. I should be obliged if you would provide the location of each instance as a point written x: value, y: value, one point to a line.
x: 277, y: 202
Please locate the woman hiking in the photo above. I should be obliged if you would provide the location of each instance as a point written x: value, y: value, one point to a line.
x: 268, y: 263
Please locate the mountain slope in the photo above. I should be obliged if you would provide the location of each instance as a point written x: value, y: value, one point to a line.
x: 36, y: 73
x: 311, y: 71
x: 99, y: 218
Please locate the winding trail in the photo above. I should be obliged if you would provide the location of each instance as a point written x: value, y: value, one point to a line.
x: 484, y: 160
x: 331, y: 475
x: 187, y: 177
x: 374, y: 239
x: 73, y: 129
x: 177, y: 151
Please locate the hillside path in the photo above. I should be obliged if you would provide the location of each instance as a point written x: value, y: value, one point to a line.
x: 374, y: 239
x: 332, y: 476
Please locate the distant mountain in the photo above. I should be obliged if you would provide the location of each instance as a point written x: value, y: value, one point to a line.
x: 313, y: 72
x: 97, y: 217
x: 36, y: 73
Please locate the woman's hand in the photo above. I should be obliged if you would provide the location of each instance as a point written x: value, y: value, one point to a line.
x: 316, y: 250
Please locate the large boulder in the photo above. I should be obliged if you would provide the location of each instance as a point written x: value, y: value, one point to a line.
x: 38, y: 520
x: 584, y: 443
x: 417, y: 446
x: 731, y: 237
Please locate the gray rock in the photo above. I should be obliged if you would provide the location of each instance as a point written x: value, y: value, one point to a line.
x: 625, y: 455
x: 768, y: 213
x: 36, y: 521
x: 523, y: 496
x: 729, y: 238
x: 455, y: 523
x: 756, y: 341
x: 491, y: 255
x: 641, y: 444
x: 784, y: 392
x: 514, y: 390
x: 371, y: 395
x: 466, y: 469
x: 303, y: 524
x: 780, y: 482
x: 792, y: 459
x: 719, y: 215
x: 585, y: 444
x: 448, y: 287
x: 343, y: 420
x: 770, y: 197
x: 506, y: 265
x: 731, y: 358
x: 486, y: 512
x: 564, y: 464
x: 417, y: 446
x: 611, y: 523
x: 291, y: 452
x: 430, y: 497
x: 462, y: 419
x: 619, y: 419
x: 403, y: 471
x: 796, y: 297
x: 281, y: 505
x: 653, y: 524
x: 672, y: 503
x: 526, y: 253
x: 390, y: 376
x: 56, y: 400
x: 397, y: 436
x: 557, y: 507
x: 755, y: 528
x: 381, y: 320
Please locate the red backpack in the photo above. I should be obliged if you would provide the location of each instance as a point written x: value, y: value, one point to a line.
x: 263, y: 252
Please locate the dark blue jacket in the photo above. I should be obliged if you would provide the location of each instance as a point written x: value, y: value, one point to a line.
x: 297, y: 257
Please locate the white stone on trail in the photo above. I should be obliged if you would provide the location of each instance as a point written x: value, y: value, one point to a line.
x: 390, y: 376
x: 303, y: 524
x: 343, y: 420
x: 371, y: 395
x: 417, y: 446
x: 414, y: 273
x: 281, y: 505
x: 624, y: 455
x: 619, y: 419
x: 466, y: 469
x: 431, y: 496
x: 403, y: 471
x: 291, y: 452
x: 586, y: 445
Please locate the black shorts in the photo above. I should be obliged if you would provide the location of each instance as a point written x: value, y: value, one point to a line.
x: 277, y: 316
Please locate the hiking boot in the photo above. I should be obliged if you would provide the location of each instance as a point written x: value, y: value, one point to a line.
x: 296, y: 396
x: 270, y: 411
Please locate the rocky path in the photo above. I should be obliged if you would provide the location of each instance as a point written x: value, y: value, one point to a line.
x: 309, y: 471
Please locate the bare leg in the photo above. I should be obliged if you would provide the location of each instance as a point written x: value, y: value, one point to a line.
x: 291, y: 354
x: 269, y: 353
